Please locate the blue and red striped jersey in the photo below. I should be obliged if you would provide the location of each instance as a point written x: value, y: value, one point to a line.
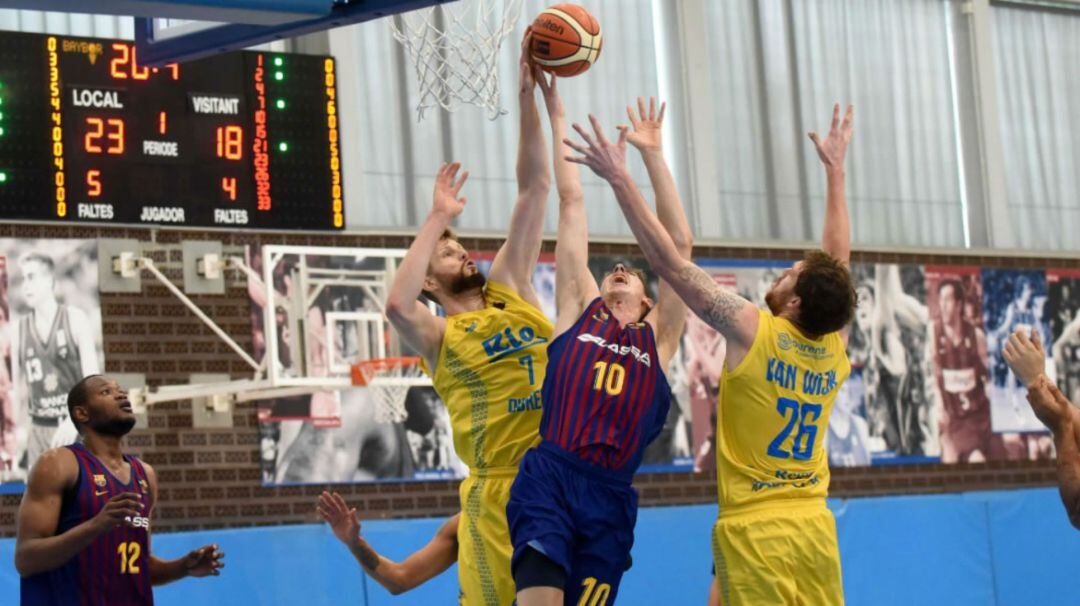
x: 113, y: 570
x: 605, y: 395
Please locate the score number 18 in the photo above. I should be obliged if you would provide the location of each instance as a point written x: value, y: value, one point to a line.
x: 230, y: 146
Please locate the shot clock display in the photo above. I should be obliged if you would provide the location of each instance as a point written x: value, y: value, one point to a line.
x: 245, y: 139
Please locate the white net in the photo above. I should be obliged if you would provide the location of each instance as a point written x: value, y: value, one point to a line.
x: 389, y: 380
x: 455, y: 50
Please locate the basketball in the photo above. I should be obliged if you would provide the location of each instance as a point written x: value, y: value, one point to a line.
x: 566, y: 40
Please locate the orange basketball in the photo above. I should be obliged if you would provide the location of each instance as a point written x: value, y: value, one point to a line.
x: 566, y: 40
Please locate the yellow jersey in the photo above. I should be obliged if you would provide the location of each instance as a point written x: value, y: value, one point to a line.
x: 489, y: 373
x: 773, y: 413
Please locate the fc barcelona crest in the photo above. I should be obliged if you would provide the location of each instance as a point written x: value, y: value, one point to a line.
x: 142, y: 484
x: 99, y: 480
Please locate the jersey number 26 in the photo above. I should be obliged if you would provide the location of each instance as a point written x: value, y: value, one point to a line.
x: 804, y: 415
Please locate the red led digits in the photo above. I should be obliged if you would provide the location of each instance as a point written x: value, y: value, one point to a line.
x: 93, y: 136
x: 112, y: 129
x: 116, y: 65
x: 229, y: 142
x: 115, y: 134
x: 93, y: 183
x: 126, y: 65
x: 228, y: 185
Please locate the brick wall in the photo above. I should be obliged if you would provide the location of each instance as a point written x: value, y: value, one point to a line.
x: 210, y: 478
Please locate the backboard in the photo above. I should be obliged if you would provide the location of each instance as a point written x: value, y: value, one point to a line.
x: 322, y: 309
x: 196, y: 33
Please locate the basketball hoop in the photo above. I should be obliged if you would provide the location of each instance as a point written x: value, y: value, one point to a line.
x: 455, y: 50
x: 389, y: 380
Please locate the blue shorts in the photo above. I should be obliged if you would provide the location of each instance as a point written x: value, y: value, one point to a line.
x: 579, y: 516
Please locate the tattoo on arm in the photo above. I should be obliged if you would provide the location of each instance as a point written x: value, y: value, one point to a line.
x: 715, y: 305
x: 367, y: 556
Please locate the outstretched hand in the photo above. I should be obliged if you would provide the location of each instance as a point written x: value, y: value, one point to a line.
x: 342, y: 519
x: 527, y: 71
x: 606, y: 159
x: 446, y: 198
x: 646, y: 125
x: 833, y: 149
x: 1026, y: 357
x: 204, y: 561
x: 551, y: 93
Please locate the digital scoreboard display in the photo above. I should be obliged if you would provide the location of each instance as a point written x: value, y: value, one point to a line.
x: 245, y: 139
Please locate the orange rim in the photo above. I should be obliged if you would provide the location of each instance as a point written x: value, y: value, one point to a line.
x: 365, y: 370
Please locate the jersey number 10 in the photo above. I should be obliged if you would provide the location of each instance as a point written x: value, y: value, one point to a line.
x: 609, y: 377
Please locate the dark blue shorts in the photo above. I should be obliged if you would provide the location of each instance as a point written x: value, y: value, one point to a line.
x: 578, y: 516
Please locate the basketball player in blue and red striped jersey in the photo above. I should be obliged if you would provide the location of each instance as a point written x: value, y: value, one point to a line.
x: 572, y: 508
x: 84, y: 522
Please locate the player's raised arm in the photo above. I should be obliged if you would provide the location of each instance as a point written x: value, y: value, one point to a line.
x: 731, y: 315
x: 37, y: 547
x: 514, y: 263
x: 428, y: 562
x: 575, y: 285
x: 412, y: 319
x: 1027, y: 359
x: 669, y: 314
x: 836, y: 234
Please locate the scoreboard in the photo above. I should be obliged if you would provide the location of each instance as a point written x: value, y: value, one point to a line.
x: 244, y: 139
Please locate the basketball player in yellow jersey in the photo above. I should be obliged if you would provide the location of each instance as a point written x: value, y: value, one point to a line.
x: 774, y: 541
x: 487, y: 356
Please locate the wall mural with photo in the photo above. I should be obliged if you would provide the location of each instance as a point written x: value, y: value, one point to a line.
x: 50, y: 338
x: 928, y: 383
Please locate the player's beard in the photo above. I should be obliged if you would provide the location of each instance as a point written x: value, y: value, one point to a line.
x: 117, y: 427
x: 463, y: 283
x: 776, y: 305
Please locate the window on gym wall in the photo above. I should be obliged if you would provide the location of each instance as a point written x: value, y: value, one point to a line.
x: 1036, y: 55
x: 73, y: 24
x: 891, y: 59
x: 376, y: 126
x: 736, y: 201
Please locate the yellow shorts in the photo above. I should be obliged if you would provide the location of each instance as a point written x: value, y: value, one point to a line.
x: 484, y: 548
x: 784, y: 553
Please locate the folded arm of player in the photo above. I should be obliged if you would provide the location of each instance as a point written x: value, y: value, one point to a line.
x: 905, y: 308
x: 20, y: 397
x: 888, y: 347
x: 1069, y: 333
x: 731, y: 315
x: 201, y: 562
x: 514, y: 263
x: 425, y: 564
x: 575, y: 285
x: 415, y: 323
x: 84, y: 339
x: 1028, y: 361
x: 668, y: 316
x: 37, y: 547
